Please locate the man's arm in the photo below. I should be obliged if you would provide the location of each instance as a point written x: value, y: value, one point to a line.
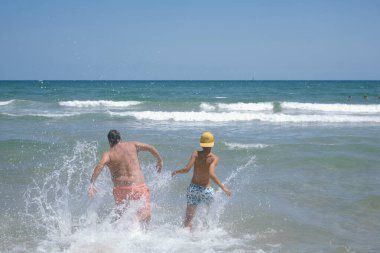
x: 215, y: 178
x: 188, y: 166
x: 146, y: 147
x: 98, y: 168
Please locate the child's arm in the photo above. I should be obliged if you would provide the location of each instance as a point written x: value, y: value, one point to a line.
x: 216, y: 179
x: 188, y: 166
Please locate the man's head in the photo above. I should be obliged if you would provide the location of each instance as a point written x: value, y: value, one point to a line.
x: 113, y: 137
x: 207, y: 140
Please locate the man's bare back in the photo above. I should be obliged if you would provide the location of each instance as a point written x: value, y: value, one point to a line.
x: 124, y: 163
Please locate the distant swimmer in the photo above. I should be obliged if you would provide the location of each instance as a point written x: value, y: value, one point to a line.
x: 200, y: 190
x: 127, y: 177
x: 365, y: 97
x: 349, y: 97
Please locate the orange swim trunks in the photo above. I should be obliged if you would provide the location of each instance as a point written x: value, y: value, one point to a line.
x: 127, y: 194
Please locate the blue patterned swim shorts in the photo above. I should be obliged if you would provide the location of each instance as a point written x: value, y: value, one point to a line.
x: 198, y: 194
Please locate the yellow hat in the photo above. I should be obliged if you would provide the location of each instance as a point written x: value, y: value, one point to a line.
x: 207, y: 140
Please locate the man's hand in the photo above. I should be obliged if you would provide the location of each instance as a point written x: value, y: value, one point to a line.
x: 91, y: 191
x: 159, y: 166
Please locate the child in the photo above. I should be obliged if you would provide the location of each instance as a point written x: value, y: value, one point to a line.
x: 200, y: 190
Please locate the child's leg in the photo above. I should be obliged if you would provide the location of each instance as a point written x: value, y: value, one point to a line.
x: 190, y: 211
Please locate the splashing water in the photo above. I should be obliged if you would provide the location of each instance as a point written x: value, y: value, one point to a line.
x: 55, y: 198
x: 217, y: 210
x: 65, y: 220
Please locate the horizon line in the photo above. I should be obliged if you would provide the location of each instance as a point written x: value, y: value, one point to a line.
x: 182, y: 80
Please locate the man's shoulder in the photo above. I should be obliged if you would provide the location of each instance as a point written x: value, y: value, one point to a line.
x: 138, y: 145
x: 124, y: 145
x: 130, y: 143
x: 106, y: 155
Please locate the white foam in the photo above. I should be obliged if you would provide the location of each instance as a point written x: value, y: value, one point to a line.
x: 268, y: 106
x: 207, y: 107
x: 245, y: 146
x: 237, y: 107
x: 98, y: 103
x: 6, y: 102
x: 167, y: 238
x: 346, y: 108
x: 264, y: 106
x: 240, y: 116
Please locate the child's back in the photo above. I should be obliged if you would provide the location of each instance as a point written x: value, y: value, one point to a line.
x: 201, y: 174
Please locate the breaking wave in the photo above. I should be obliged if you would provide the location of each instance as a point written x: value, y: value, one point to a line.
x: 346, y: 108
x: 98, y: 103
x: 6, y: 102
x: 265, y: 106
x: 240, y: 116
x: 269, y: 106
x: 271, y: 112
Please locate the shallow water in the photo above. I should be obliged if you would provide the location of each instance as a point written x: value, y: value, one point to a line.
x: 301, y: 160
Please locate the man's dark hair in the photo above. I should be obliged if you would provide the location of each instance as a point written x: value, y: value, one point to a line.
x: 113, y: 137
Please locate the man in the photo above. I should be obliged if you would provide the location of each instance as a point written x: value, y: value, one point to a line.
x: 127, y: 177
x: 200, y: 190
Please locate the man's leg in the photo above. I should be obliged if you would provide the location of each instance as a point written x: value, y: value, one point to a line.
x: 190, y: 212
x: 144, y: 213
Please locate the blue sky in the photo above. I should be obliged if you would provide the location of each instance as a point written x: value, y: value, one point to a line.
x: 190, y: 40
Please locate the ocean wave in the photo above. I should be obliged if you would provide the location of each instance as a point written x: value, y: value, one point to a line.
x: 239, y: 116
x: 6, y: 102
x: 42, y: 115
x: 98, y: 103
x: 269, y: 106
x: 345, y: 108
x: 263, y: 106
x: 207, y: 107
x: 245, y: 146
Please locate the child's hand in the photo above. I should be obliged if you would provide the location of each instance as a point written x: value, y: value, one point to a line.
x: 174, y: 173
x: 227, y: 191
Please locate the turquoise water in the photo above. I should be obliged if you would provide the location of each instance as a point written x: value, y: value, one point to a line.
x: 301, y: 157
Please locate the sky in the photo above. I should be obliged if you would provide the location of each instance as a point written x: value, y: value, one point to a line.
x: 190, y: 40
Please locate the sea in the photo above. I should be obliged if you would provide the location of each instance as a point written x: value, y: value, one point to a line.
x: 302, y: 159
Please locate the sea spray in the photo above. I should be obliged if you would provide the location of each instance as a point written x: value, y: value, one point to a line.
x: 238, y: 146
x: 58, y: 204
x: 220, y: 202
x: 54, y: 202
